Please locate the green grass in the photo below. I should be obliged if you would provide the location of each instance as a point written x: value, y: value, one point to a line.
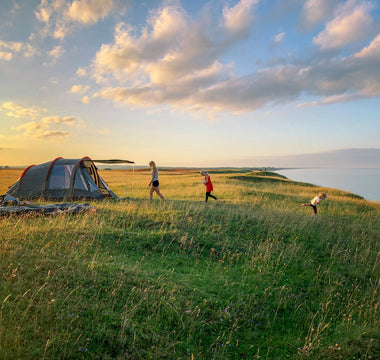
x: 252, y: 277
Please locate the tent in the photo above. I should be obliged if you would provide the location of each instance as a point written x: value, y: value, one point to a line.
x: 63, y: 179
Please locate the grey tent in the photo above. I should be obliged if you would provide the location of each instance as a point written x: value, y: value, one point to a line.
x: 62, y: 179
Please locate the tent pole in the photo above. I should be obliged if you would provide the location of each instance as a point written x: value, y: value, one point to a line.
x: 133, y: 175
x: 126, y: 181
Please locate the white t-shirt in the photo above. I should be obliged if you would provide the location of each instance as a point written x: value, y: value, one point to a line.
x: 315, y: 201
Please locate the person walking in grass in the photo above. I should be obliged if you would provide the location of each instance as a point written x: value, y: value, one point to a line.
x: 154, y: 183
x: 209, y: 187
x: 315, y: 201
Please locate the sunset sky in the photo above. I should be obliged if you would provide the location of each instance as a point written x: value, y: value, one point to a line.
x: 188, y: 83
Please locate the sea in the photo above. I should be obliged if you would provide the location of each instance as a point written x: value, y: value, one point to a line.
x: 363, y: 182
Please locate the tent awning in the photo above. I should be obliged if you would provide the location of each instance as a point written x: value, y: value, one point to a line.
x: 114, y: 161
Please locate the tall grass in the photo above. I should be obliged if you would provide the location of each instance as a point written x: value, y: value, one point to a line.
x: 250, y: 277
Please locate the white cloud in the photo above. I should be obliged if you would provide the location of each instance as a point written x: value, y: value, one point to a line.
x: 315, y: 12
x: 40, y: 127
x: 31, y: 128
x: 12, y: 45
x: 60, y: 17
x: 44, y: 12
x: 11, y: 48
x: 335, y: 99
x: 85, y: 100
x: 238, y: 18
x: 81, y: 72
x: 79, y: 89
x: 40, y: 130
x: 5, y: 55
x: 371, y: 51
x: 19, y: 111
x: 29, y: 51
x: 349, y: 26
x: 278, y: 38
x: 174, y: 56
x: 53, y: 135
x: 184, y: 69
x: 335, y: 81
x: 89, y: 11
x: 68, y: 120
x: 57, y: 52
x: 54, y: 54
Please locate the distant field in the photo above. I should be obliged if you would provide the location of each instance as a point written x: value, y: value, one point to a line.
x: 251, y: 277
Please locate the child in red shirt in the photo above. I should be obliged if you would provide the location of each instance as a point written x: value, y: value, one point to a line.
x: 209, y: 187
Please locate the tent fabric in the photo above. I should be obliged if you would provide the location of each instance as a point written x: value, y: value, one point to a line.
x: 61, y: 179
x: 114, y: 161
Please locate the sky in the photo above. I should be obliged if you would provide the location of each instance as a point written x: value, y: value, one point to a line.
x: 190, y: 83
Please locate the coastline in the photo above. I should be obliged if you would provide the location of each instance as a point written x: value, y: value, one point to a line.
x: 358, y: 181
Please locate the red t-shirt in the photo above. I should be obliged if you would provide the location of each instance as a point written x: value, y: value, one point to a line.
x: 208, y: 182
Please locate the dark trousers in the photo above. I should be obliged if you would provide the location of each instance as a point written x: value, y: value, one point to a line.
x: 208, y: 194
x: 314, y: 208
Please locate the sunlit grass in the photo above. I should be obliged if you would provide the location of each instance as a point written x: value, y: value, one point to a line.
x: 250, y: 277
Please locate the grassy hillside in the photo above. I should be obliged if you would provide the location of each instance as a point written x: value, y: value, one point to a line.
x: 251, y: 277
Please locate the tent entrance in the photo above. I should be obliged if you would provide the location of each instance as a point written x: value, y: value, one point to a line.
x: 87, y: 178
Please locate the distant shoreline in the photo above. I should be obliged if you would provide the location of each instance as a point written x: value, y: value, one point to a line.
x: 359, y: 181
x: 238, y: 168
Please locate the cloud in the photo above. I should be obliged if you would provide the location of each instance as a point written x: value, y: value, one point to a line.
x: 334, y: 80
x: 354, y: 77
x: 68, y: 120
x: 60, y: 17
x: 372, y: 51
x: 85, y: 100
x: 237, y: 19
x: 79, y: 89
x: 18, y: 111
x: 277, y: 39
x: 81, y: 72
x: 40, y: 130
x: 9, y: 49
x: 315, y: 12
x: 175, y: 55
x: 12, y: 45
x: 348, y: 26
x: 6, y: 55
x: 171, y: 47
x: 88, y: 12
x: 52, y: 135
x: 56, y: 52
x: 335, y: 99
x: 31, y: 128
x: 181, y: 65
x: 54, y: 55
x: 40, y: 127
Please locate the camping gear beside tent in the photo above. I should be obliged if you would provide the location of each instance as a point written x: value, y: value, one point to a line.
x: 52, y: 209
x: 61, y: 179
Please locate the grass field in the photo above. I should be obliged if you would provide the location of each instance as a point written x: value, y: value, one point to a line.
x: 250, y: 277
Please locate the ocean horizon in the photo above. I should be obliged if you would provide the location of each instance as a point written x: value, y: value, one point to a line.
x: 359, y: 181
